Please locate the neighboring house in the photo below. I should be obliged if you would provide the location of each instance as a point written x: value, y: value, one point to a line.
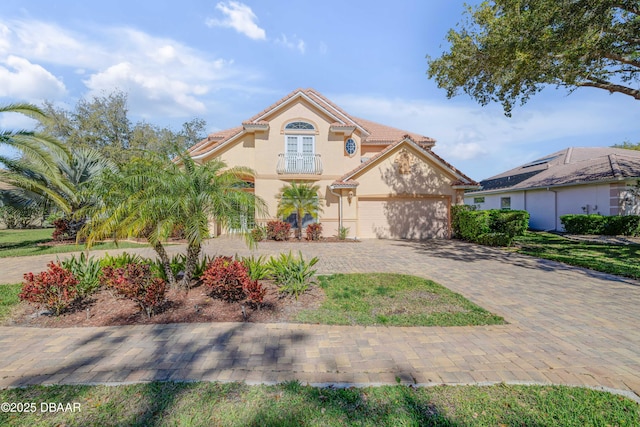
x: 376, y: 180
x: 576, y: 180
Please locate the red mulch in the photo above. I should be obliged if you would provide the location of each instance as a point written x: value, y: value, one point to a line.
x: 192, y: 306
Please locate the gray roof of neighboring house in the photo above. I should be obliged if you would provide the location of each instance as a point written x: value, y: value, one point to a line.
x: 573, y: 165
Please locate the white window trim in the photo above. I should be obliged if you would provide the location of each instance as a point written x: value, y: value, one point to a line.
x: 300, y: 143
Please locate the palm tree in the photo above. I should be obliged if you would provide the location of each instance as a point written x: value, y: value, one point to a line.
x: 35, y: 187
x: 39, y: 157
x: 151, y: 196
x: 38, y: 145
x: 301, y: 199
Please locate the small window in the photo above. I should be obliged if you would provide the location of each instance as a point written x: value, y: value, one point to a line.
x: 350, y: 146
x: 505, y: 203
x: 299, y: 126
x: 477, y: 200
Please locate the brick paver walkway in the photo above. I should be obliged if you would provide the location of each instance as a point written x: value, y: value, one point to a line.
x: 566, y: 326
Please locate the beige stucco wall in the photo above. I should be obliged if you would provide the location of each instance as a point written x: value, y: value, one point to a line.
x: 259, y: 150
x: 424, y: 178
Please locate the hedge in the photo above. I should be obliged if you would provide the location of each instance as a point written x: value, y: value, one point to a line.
x: 490, y: 227
x: 628, y: 225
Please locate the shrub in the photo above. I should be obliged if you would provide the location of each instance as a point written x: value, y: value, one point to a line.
x: 66, y: 229
x: 259, y: 233
x: 292, y: 275
x: 86, y: 270
x: 472, y: 224
x: 495, y: 239
x: 136, y: 282
x: 122, y: 260
x: 61, y: 230
x: 456, y: 217
x: 254, y: 292
x: 20, y: 217
x: 491, y: 227
x: 583, y: 224
x: 628, y: 225
x: 256, y: 267
x: 511, y: 223
x: 278, y: 230
x: 55, y: 288
x: 314, y: 231
x: 343, y: 232
x: 226, y: 278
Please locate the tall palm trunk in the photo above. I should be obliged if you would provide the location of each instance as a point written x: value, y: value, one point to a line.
x: 193, y: 252
x: 300, y: 214
x: 166, y: 262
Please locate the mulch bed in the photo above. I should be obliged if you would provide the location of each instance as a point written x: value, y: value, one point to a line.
x: 192, y: 306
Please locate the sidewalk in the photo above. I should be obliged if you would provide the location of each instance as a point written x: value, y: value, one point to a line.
x: 566, y: 326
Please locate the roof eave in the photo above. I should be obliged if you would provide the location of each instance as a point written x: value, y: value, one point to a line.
x: 546, y: 187
x: 219, y: 147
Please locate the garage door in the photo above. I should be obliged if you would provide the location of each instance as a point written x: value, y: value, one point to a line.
x: 403, y: 219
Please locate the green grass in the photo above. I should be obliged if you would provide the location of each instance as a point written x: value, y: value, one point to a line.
x: 393, y: 300
x: 621, y: 260
x: 292, y: 404
x: 15, y: 243
x: 8, y: 299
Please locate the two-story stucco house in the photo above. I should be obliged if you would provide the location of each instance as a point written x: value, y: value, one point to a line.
x: 376, y: 180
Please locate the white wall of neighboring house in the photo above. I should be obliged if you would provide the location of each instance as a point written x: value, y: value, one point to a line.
x: 547, y: 206
x: 541, y: 207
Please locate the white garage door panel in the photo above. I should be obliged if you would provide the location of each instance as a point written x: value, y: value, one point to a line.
x: 403, y: 219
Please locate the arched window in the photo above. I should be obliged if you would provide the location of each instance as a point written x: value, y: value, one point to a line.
x: 299, y: 126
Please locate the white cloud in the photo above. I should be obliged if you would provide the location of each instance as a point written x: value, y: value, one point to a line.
x: 21, y: 79
x: 294, y: 43
x: 160, y: 75
x: 149, y: 91
x: 240, y: 17
x: 44, y: 42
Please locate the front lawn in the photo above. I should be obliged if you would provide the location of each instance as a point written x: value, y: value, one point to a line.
x: 393, y: 300
x: 15, y: 243
x: 8, y: 299
x: 621, y: 260
x: 292, y: 404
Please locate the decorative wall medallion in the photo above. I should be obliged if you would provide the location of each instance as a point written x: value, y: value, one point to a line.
x: 404, y: 160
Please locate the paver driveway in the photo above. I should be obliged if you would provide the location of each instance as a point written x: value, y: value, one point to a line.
x: 566, y: 325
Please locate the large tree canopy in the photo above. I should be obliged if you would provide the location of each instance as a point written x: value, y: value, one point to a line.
x: 507, y: 50
x: 102, y: 123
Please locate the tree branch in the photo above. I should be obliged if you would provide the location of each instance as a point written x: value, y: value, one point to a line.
x: 622, y: 59
x: 611, y: 87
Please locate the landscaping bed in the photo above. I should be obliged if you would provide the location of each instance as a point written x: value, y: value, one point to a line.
x: 344, y: 299
x: 193, y: 306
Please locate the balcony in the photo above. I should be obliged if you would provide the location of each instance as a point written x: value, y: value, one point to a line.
x: 299, y: 163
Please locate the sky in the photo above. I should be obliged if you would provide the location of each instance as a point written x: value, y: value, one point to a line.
x: 224, y: 61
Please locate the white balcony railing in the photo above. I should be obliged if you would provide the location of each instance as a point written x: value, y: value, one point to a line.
x: 298, y: 163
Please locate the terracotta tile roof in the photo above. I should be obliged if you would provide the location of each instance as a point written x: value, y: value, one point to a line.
x: 345, y: 184
x: 388, y: 134
x: 573, y: 165
x: 214, y: 140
